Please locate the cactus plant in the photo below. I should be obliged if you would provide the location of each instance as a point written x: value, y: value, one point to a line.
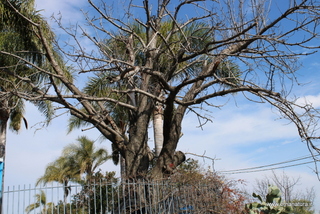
x: 272, y: 205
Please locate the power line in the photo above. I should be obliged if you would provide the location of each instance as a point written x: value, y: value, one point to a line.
x: 257, y: 167
x: 274, y: 164
x: 281, y: 167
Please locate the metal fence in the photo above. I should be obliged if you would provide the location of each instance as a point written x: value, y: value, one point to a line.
x: 116, y: 198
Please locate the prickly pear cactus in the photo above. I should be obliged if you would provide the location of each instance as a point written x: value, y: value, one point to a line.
x: 272, y: 205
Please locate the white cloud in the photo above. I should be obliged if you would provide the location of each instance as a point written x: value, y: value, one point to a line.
x: 70, y: 10
x: 242, y: 125
x: 313, y: 100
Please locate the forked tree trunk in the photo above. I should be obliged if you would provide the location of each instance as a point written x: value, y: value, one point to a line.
x: 169, y: 159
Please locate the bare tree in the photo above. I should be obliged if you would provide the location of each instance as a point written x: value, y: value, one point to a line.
x: 261, y: 186
x: 288, y: 186
x: 220, y: 48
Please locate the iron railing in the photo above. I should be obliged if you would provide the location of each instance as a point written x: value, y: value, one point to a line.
x: 116, y: 198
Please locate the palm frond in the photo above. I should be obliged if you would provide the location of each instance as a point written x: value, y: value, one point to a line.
x: 98, y: 85
x: 16, y: 115
x: 41, y: 201
x: 32, y: 207
x: 41, y: 197
x: 76, y: 123
x: 63, y: 169
x: 46, y: 108
x: 85, y: 155
x: 20, y: 37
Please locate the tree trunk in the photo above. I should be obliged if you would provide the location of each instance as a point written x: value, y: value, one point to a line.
x: 169, y: 159
x: 122, y: 167
x: 65, y: 195
x: 137, y: 158
x: 158, y: 129
x: 158, y: 125
x: 4, y: 117
x: 136, y: 153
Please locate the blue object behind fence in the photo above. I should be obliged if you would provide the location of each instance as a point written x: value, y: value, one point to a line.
x: 185, y: 209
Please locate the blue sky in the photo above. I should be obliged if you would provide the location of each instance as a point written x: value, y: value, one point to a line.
x: 242, y: 135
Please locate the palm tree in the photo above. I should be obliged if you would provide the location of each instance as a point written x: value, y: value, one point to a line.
x: 86, y: 156
x: 41, y: 201
x: 62, y: 170
x: 16, y: 36
x: 76, y: 159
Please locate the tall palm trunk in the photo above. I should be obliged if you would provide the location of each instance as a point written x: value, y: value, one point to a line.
x: 4, y: 117
x: 65, y: 195
x: 158, y: 126
x: 65, y: 192
x: 158, y: 129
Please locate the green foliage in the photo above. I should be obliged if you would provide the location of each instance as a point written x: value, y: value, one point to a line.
x: 76, y: 123
x: 96, y: 197
x: 101, y: 86
x: 77, y: 159
x: 16, y: 33
x: 272, y: 205
x: 41, y: 201
x: 62, y: 170
x: 194, y: 36
x: 86, y: 156
x: 19, y: 37
x: 189, y: 171
x: 189, y: 166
